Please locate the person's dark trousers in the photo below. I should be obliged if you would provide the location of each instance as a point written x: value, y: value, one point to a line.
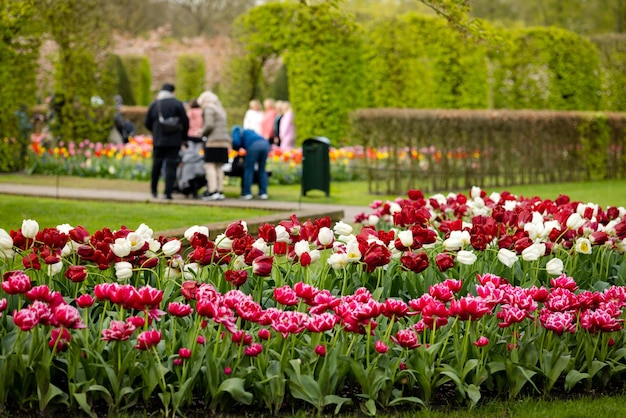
x: 166, y: 159
x: 255, y: 154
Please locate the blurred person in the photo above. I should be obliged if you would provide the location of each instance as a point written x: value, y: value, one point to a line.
x: 253, y: 117
x: 287, y: 128
x: 166, y: 145
x: 257, y: 149
x: 280, y: 106
x: 196, y: 121
x: 269, y: 116
x: 217, y: 143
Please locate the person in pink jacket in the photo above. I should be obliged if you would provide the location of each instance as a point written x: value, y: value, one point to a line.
x: 194, y: 113
x: 287, y: 129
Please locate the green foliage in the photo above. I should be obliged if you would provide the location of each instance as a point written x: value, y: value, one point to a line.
x: 547, y: 68
x: 321, y: 51
x: 136, y: 69
x: 595, y: 140
x: 19, y: 46
x: 280, y: 87
x: 83, y: 87
x: 123, y: 85
x: 415, y: 61
x: 190, y: 73
x: 612, y: 50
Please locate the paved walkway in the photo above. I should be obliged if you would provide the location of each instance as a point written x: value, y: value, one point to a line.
x: 282, y: 210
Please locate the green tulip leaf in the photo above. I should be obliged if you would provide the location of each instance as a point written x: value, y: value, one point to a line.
x: 235, y: 387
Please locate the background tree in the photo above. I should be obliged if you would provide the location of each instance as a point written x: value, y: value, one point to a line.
x: 133, y: 17
x: 83, y: 93
x: 19, y: 46
x: 205, y: 17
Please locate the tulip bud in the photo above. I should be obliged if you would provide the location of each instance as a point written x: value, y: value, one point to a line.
x: 30, y: 228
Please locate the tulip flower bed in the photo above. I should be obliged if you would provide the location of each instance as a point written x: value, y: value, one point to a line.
x: 133, y: 161
x: 463, y: 297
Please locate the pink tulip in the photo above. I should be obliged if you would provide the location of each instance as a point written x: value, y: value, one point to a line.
x: 148, y: 339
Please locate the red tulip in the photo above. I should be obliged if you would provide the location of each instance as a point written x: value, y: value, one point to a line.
x: 85, y: 301
x: 262, y: 266
x: 76, y: 274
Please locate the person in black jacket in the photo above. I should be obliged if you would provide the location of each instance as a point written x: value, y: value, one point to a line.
x: 166, y: 142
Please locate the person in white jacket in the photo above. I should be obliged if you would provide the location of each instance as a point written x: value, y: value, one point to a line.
x: 254, y: 116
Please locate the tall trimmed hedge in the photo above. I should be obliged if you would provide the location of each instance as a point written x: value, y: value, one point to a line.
x: 321, y: 49
x: 612, y: 50
x: 415, y: 61
x: 122, y: 83
x: 137, y: 70
x: 19, y: 46
x: 190, y: 75
x: 547, y: 68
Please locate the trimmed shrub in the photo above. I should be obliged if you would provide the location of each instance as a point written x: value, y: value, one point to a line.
x: 190, y: 74
x: 547, y: 68
x: 137, y: 71
x: 612, y: 50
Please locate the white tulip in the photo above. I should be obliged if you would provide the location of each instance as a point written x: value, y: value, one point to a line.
x: 136, y: 241
x: 338, y: 261
x: 30, y: 228
x: 240, y: 263
x: 342, y: 228
x: 123, y: 270
x: 282, y: 235
x: 495, y: 196
x: 475, y: 192
x: 406, y: 238
x: 6, y: 254
x: 507, y: 257
x: 353, y: 252
x: 121, y: 247
x: 372, y: 220
x: 153, y: 245
x: 145, y: 231
x: 189, y: 233
x: 583, y: 246
x: 260, y: 244
x: 533, y: 252
x: 223, y: 242
x: 171, y: 247
x: 466, y: 257
x: 325, y: 236
x: 301, y: 247
x: 555, y: 267
x: 190, y: 271
x: 55, y: 268
x: 574, y: 221
x: 64, y: 228
x: 315, y: 255
x: 6, y: 242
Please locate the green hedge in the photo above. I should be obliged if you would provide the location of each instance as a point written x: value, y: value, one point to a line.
x: 136, y: 69
x: 457, y: 149
x: 547, y: 68
x: 190, y: 74
x: 612, y: 50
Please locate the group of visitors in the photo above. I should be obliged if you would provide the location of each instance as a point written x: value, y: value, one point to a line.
x: 273, y: 121
x: 176, y: 126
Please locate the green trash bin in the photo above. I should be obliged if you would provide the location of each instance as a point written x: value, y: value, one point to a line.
x: 316, y: 165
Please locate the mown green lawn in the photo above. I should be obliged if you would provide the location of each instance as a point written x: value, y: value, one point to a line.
x: 605, y: 192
